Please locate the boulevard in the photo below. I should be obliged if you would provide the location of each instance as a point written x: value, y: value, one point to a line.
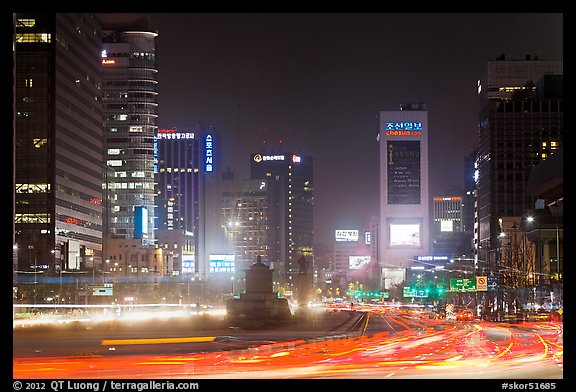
x: 369, y: 342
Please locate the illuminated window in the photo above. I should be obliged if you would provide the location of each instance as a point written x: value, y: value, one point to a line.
x: 40, y: 142
x: 114, y: 162
x: 32, y: 188
x: 34, y: 38
x: 113, y: 151
x: 32, y: 218
x: 25, y: 22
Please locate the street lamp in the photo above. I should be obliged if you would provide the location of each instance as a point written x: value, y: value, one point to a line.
x: 107, y: 269
x: 556, y: 209
x: 93, y: 269
x: 501, y: 286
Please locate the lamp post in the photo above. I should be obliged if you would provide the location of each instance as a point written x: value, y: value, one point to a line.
x: 501, y: 291
x: 93, y: 270
x: 528, y: 276
x: 556, y: 209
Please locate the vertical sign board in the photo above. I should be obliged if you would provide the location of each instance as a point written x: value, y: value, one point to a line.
x: 155, y: 155
x: 209, y: 153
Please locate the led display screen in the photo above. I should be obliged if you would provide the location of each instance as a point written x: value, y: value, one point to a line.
x: 405, y: 234
x: 222, y: 263
x: 356, y: 262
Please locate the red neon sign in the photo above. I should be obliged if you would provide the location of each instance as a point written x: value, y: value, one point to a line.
x: 168, y: 130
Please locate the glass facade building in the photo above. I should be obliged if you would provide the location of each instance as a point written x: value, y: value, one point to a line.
x: 290, y: 181
x: 247, y: 222
x: 178, y: 178
x: 57, y: 141
x: 129, y: 96
x: 520, y: 124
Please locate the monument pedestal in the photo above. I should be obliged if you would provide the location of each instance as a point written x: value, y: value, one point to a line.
x: 259, y: 302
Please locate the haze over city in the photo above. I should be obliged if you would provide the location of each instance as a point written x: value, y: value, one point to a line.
x: 317, y: 81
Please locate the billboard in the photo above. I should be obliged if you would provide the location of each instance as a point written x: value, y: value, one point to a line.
x: 446, y: 225
x: 404, y: 234
x: 403, y: 166
x: 346, y: 235
x: 73, y: 255
x: 356, y: 262
x: 221, y: 263
x: 188, y: 264
x: 392, y: 276
x: 140, y: 222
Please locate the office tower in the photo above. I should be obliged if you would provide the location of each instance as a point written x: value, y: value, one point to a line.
x: 289, y: 179
x: 349, y: 244
x: 247, y: 221
x: 404, y: 205
x: 450, y: 238
x: 58, y: 141
x: 520, y: 124
x: 447, y: 213
x: 129, y: 95
x: 178, y: 181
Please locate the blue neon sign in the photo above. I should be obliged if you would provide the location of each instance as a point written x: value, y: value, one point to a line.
x: 209, y: 153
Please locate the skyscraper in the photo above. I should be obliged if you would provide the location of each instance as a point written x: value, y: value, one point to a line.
x: 58, y: 141
x: 129, y: 91
x: 247, y: 222
x: 520, y: 124
x: 404, y: 205
x: 289, y: 179
x: 178, y: 185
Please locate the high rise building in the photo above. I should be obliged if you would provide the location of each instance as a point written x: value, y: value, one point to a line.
x: 247, y: 221
x: 129, y: 95
x: 404, y: 204
x: 289, y: 178
x: 449, y: 237
x: 178, y: 181
x: 448, y: 211
x: 58, y: 141
x: 520, y: 124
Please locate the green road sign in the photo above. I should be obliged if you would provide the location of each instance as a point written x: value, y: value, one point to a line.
x: 463, y: 285
x: 413, y: 292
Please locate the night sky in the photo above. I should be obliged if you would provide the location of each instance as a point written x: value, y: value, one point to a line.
x: 315, y: 84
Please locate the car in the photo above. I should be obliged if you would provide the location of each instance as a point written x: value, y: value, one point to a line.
x: 464, y: 314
